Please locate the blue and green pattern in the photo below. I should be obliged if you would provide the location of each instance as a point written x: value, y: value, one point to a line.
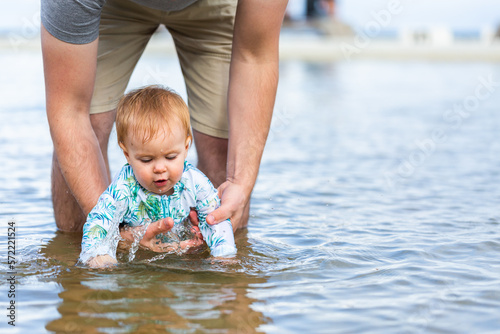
x: 138, y: 206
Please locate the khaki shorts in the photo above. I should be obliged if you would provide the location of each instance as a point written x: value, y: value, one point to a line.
x: 202, y: 33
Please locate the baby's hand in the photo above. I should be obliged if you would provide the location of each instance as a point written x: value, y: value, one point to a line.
x: 158, y: 243
x: 152, y: 237
x: 101, y: 261
x: 149, y: 239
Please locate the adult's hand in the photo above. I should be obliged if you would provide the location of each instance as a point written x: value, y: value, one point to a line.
x: 233, y: 203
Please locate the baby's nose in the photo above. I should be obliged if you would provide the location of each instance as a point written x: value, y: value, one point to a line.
x: 159, y: 168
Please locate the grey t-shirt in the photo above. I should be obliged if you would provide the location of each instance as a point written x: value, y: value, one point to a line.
x: 77, y: 21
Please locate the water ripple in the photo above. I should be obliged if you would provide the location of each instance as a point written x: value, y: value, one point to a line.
x: 354, y: 228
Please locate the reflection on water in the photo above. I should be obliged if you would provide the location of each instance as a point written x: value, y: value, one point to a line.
x: 183, y: 294
x: 376, y: 210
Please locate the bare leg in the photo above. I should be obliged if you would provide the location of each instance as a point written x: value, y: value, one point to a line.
x: 212, y: 156
x: 212, y: 159
x: 67, y: 212
x: 103, y: 124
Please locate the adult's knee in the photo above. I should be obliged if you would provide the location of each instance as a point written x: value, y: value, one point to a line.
x: 102, y: 124
x: 212, y: 156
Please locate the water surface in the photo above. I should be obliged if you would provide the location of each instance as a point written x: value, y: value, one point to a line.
x: 376, y: 210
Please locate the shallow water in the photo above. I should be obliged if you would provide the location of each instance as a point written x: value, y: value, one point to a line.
x: 376, y: 210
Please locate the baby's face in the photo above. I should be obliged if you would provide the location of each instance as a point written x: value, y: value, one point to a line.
x: 159, y: 163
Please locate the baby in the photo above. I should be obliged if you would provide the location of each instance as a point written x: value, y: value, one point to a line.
x: 154, y: 133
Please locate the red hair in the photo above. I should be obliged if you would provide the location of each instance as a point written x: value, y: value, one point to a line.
x: 144, y: 111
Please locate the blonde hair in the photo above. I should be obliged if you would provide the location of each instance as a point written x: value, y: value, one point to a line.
x: 146, y: 110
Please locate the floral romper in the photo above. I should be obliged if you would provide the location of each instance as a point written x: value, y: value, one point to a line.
x: 126, y: 201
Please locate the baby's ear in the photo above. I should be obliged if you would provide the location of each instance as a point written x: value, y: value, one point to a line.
x: 124, y: 149
x: 188, y: 142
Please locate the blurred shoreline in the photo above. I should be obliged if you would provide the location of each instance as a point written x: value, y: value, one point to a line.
x: 308, y: 45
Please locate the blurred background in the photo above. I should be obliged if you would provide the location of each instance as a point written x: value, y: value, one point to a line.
x: 347, y: 28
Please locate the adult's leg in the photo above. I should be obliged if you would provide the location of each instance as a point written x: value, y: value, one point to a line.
x: 212, y: 156
x: 102, y: 124
x: 67, y: 212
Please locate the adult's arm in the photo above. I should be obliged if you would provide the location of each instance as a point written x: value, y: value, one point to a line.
x: 253, y: 82
x: 69, y: 83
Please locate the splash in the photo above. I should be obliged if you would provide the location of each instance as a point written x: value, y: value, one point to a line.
x: 178, y: 240
x: 138, y: 234
x: 174, y: 241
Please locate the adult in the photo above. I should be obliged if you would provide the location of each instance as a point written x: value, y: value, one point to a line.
x: 228, y: 52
